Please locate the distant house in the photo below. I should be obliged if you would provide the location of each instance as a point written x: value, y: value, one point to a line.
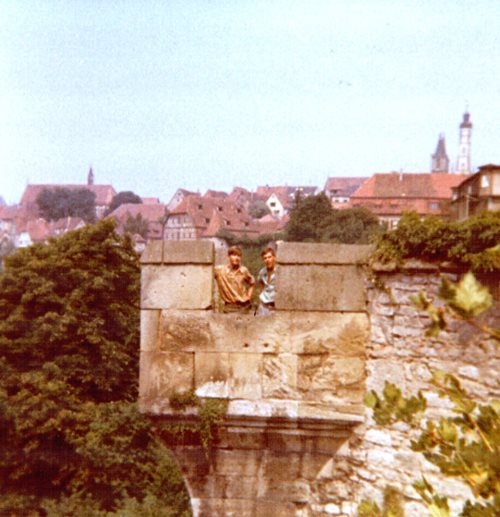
x: 40, y: 230
x: 280, y: 199
x: 103, y: 196
x: 389, y: 195
x: 178, y: 198
x: 339, y: 190
x: 154, y: 214
x: 202, y: 217
x: 477, y: 193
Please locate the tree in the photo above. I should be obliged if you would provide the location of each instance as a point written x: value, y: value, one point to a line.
x: 56, y: 203
x: 123, y: 198
x: 70, y: 434
x: 313, y: 219
x: 258, y: 209
x: 136, y: 225
x: 309, y: 218
x: 465, y: 445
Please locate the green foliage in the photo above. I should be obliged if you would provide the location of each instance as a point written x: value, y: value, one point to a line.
x: 56, y: 203
x: 464, y: 300
x: 314, y: 220
x: 258, y: 209
x: 211, y: 413
x: 465, y: 445
x: 136, y: 225
x: 392, y: 505
x: 122, y: 198
x: 474, y: 243
x: 73, y: 303
x: 70, y: 434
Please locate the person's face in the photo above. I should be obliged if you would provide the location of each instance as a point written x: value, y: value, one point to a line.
x: 269, y: 260
x: 234, y: 260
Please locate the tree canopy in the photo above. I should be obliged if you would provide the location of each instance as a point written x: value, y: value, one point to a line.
x: 314, y: 220
x: 123, y: 198
x: 56, y: 203
x: 69, y: 344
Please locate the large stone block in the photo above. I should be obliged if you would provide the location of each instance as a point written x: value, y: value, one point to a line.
x: 245, y: 376
x: 320, y: 376
x: 323, y: 253
x: 153, y: 253
x: 188, y: 252
x: 150, y: 329
x: 212, y: 374
x: 186, y: 330
x: 320, y: 288
x: 161, y: 375
x: 279, y: 376
x: 176, y: 287
x: 340, y: 334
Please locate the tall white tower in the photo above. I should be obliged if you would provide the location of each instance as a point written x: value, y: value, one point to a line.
x: 463, y: 160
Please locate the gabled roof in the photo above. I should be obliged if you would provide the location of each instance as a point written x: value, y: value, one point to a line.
x: 215, y: 193
x: 408, y: 185
x: 209, y: 214
x: 343, y: 186
x: 150, y: 213
x: 103, y: 193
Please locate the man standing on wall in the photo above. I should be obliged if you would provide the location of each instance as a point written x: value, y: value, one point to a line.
x: 235, y: 283
x: 266, y: 282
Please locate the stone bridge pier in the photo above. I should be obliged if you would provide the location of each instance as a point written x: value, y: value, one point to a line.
x: 291, y: 384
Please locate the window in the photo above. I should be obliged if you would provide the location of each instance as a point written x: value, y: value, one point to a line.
x: 433, y: 205
x: 207, y: 220
x: 485, y: 181
x: 272, y: 203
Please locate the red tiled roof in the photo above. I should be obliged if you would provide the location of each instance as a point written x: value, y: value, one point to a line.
x: 151, y: 213
x: 104, y: 193
x: 215, y: 193
x: 209, y: 215
x: 150, y: 200
x: 408, y: 185
x: 343, y: 186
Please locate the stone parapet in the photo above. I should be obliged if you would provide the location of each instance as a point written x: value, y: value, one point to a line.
x: 321, y: 277
x: 293, y: 382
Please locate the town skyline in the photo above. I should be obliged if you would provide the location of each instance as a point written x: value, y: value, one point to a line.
x: 204, y: 96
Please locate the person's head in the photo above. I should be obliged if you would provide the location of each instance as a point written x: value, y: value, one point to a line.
x: 234, y: 255
x: 269, y: 257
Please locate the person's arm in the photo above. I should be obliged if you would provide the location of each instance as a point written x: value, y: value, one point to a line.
x: 250, y: 280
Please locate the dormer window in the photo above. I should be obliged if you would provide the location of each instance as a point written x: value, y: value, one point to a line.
x: 207, y: 220
x: 200, y: 207
x: 219, y: 208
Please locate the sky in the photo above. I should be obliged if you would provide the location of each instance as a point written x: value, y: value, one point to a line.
x: 211, y: 94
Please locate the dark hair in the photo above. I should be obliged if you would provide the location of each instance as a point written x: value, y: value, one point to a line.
x: 268, y: 250
x: 234, y: 250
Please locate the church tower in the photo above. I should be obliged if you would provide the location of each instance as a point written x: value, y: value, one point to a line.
x: 440, y: 160
x: 463, y: 160
x: 90, y: 177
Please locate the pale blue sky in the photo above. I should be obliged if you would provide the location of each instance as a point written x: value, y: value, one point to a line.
x: 210, y: 94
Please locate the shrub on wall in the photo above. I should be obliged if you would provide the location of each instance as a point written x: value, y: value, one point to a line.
x: 473, y: 244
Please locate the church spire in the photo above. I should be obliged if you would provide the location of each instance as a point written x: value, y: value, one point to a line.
x: 90, y: 177
x: 465, y: 132
x: 440, y: 160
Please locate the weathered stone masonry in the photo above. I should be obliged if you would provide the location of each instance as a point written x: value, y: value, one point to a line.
x: 297, y: 439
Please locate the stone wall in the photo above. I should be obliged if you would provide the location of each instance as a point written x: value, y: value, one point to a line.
x: 399, y: 352
x: 296, y: 438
